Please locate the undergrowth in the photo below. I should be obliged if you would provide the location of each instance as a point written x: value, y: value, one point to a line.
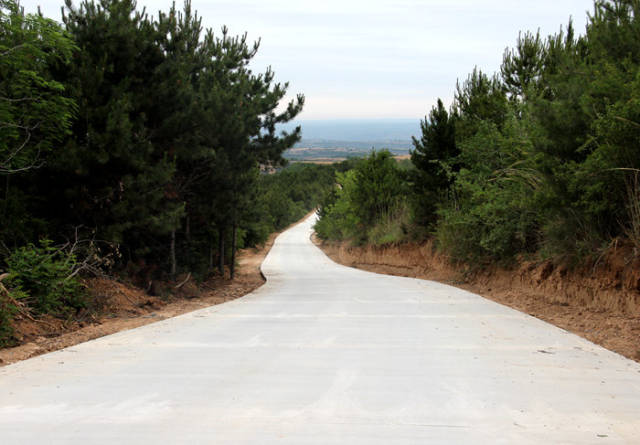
x: 42, y: 280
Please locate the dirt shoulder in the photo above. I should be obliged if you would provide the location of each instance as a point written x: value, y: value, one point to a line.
x: 599, y: 303
x: 120, y: 306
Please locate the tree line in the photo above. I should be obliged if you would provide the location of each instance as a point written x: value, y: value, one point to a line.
x: 135, y: 144
x: 540, y: 158
x: 142, y: 131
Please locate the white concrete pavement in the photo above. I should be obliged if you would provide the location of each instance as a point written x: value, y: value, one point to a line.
x: 325, y: 354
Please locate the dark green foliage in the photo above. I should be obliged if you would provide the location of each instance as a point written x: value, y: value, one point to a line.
x: 492, y: 216
x: 543, y: 158
x: 379, y: 187
x: 149, y: 134
x: 285, y: 197
x: 35, y: 111
x: 337, y: 212
x: 555, y: 168
x: 43, y: 278
x: 585, y: 164
x: 112, y: 177
x: 367, y: 204
x: 240, y: 124
x: 522, y: 66
x: 7, y: 310
x: 435, y: 158
x: 479, y: 98
x: 172, y: 126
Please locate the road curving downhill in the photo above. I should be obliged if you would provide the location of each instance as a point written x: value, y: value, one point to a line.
x: 326, y: 354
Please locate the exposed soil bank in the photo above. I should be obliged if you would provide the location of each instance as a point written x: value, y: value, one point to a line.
x: 119, y: 306
x: 600, y: 303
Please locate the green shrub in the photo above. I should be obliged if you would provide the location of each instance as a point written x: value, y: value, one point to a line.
x: 338, y: 219
x: 379, y: 187
x: 392, y: 227
x: 492, y: 220
x: 6, y: 316
x: 367, y: 203
x: 42, y: 277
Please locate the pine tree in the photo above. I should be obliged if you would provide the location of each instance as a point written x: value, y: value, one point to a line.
x: 112, y: 178
x: 241, y: 106
x: 434, y: 156
x: 522, y: 66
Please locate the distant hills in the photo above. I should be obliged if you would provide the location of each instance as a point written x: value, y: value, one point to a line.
x: 338, y: 139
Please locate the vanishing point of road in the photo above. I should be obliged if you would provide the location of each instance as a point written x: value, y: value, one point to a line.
x: 325, y: 354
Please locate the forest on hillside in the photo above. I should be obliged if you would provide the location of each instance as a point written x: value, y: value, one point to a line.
x: 135, y: 145
x: 541, y: 159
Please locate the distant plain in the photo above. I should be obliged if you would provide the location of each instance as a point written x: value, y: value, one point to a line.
x: 335, y: 140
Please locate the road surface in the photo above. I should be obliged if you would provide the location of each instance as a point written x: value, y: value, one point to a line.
x: 325, y: 354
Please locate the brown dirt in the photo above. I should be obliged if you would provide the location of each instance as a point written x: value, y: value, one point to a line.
x: 600, y: 303
x: 119, y: 306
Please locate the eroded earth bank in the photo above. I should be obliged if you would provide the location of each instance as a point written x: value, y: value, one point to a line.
x: 600, y: 303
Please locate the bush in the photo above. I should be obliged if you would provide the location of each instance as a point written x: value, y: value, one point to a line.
x: 6, y: 315
x: 367, y: 203
x: 392, y: 227
x: 42, y: 277
x: 494, y: 221
x: 337, y: 217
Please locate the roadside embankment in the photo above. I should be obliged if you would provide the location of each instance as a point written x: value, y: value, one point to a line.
x: 600, y: 303
x: 119, y: 306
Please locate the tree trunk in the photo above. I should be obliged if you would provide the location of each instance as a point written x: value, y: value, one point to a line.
x: 221, y: 251
x: 6, y: 200
x: 187, y: 231
x: 232, y: 266
x: 210, y: 255
x: 173, y: 254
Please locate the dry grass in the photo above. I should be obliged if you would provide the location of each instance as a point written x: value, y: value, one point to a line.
x: 633, y: 208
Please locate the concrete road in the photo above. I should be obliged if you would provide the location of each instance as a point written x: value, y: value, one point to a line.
x: 324, y: 354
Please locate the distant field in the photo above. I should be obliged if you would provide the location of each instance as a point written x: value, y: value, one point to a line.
x: 335, y: 154
x: 321, y: 161
x: 329, y: 141
x: 331, y: 160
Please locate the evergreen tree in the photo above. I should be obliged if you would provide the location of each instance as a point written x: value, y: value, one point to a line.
x: 177, y: 119
x: 435, y: 158
x: 244, y: 126
x: 479, y: 98
x: 112, y: 178
x: 522, y: 66
x: 378, y: 187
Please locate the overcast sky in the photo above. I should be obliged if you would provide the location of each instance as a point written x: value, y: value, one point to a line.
x: 375, y: 58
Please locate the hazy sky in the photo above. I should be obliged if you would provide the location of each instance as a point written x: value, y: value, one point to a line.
x: 375, y: 58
